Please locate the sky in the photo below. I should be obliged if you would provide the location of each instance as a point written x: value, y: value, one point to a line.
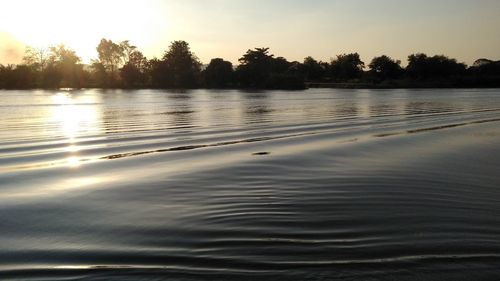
x: 462, y: 29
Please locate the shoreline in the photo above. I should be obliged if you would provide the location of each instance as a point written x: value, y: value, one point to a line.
x: 308, y: 86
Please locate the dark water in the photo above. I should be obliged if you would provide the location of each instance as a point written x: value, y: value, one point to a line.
x: 227, y: 185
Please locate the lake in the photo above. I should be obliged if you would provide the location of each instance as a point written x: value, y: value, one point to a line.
x: 322, y: 184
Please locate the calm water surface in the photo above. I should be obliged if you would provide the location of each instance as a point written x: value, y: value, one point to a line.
x: 229, y: 185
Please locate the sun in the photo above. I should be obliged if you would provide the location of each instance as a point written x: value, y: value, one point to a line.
x: 81, y: 24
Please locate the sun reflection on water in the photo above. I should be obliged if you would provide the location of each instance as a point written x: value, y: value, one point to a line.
x: 73, y: 162
x: 74, y: 117
x: 72, y: 148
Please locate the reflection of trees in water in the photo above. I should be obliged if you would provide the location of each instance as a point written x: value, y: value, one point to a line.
x: 183, y: 116
x: 345, y: 110
x: 180, y: 111
x: 118, y: 120
x: 254, y: 94
x: 421, y: 107
x: 122, y: 111
x: 386, y: 102
x: 219, y: 108
x: 382, y: 109
x: 110, y: 120
x: 259, y: 110
x: 174, y: 95
x: 256, y: 106
x: 130, y: 110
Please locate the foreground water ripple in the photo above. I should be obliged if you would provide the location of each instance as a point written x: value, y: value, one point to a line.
x: 225, y: 185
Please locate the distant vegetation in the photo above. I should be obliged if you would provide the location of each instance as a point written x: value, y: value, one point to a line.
x: 122, y: 65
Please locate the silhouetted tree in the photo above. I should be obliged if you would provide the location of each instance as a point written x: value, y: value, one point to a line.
x: 134, y: 72
x: 131, y: 76
x: 98, y: 75
x: 313, y: 70
x: 67, y: 63
x: 127, y: 50
x: 179, y: 67
x: 420, y: 66
x: 486, y: 67
x: 36, y: 57
x: 137, y: 59
x: 285, y: 75
x: 218, y: 74
x: 255, y: 67
x: 280, y: 65
x: 51, y: 76
x: 17, y: 77
x: 5, y: 76
x: 347, y: 67
x: 123, y: 65
x: 111, y: 57
x: 484, y: 73
x: 259, y: 69
x: 384, y: 67
x: 156, y: 67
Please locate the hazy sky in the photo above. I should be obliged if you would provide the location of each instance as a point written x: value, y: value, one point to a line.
x: 463, y: 29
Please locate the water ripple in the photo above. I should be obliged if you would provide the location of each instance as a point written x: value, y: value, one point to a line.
x: 224, y: 185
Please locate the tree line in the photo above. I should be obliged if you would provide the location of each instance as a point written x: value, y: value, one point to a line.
x: 122, y: 65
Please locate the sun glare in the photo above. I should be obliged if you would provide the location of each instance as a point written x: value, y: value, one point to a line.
x: 75, y: 117
x: 73, y: 162
x: 81, y: 24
